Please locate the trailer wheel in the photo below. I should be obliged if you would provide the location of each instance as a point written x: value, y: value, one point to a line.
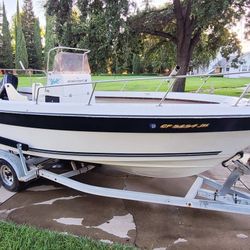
x: 8, y: 177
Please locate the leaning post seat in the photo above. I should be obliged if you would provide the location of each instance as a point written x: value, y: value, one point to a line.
x: 7, y: 78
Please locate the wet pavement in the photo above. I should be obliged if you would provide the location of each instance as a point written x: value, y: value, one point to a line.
x: 147, y: 226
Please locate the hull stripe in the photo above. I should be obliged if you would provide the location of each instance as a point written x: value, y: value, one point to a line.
x: 125, y: 154
x: 25, y: 147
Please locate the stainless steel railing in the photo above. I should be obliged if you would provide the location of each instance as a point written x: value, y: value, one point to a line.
x: 172, y: 79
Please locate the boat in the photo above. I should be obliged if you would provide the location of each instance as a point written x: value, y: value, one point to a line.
x: 154, y: 134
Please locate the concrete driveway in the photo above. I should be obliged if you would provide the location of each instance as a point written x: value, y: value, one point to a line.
x: 147, y: 226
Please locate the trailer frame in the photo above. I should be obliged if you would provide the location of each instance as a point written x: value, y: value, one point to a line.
x: 205, y: 193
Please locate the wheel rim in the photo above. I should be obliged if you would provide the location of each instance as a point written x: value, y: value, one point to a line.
x: 7, y: 175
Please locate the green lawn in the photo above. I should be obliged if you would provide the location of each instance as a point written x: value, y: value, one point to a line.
x: 226, y: 86
x: 25, y: 237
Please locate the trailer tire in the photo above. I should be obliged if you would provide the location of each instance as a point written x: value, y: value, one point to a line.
x: 8, y: 177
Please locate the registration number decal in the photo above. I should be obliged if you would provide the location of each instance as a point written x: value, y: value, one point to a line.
x: 185, y: 126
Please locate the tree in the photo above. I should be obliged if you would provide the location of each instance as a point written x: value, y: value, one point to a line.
x: 21, y: 50
x: 28, y: 26
x: 146, y: 3
x: 38, y: 45
x: 93, y: 24
x: 116, y: 13
x: 62, y: 11
x: 1, y: 27
x: 210, y: 43
x: 159, y: 55
x: 96, y: 40
x: 106, y: 34
x: 183, y: 23
x: 50, y: 38
x: 99, y: 26
x: 136, y: 63
x: 247, y: 24
x: 6, y: 49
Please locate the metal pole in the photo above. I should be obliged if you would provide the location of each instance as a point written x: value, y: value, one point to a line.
x: 92, y: 93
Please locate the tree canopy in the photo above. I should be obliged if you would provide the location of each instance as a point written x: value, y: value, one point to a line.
x: 123, y: 38
x: 185, y: 23
x: 38, y: 45
x: 31, y: 31
x: 97, y: 25
x: 50, y: 38
x: 5, y: 42
x: 247, y: 24
x: 62, y: 11
x: 21, y: 54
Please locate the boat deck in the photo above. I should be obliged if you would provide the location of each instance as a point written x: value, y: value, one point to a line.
x: 156, y: 97
x: 152, y: 97
x: 106, y: 99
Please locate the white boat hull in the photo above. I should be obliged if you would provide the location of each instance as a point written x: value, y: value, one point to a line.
x: 172, y: 140
x: 157, y: 155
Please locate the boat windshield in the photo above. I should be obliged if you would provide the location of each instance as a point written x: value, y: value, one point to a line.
x: 70, y: 63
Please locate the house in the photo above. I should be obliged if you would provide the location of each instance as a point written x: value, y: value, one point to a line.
x: 242, y: 66
x: 222, y: 65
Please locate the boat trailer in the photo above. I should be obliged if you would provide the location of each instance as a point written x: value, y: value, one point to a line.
x: 16, y: 169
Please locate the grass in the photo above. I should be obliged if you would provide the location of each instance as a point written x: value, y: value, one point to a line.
x: 224, y: 86
x: 14, y: 237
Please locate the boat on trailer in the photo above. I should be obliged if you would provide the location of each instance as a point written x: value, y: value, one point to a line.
x: 153, y: 134
x: 145, y: 133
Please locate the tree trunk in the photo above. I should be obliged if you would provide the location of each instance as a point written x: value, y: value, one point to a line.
x: 185, y: 42
x: 183, y: 60
x: 186, y: 36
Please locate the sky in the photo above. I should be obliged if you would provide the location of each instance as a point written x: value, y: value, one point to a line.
x: 10, y: 6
